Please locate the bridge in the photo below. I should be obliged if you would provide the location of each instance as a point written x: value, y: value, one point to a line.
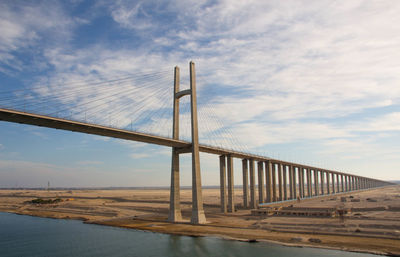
x: 277, y: 180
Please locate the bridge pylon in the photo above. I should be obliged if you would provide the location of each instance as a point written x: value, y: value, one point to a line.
x: 175, y: 215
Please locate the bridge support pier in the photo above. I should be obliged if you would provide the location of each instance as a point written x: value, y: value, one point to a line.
x: 222, y: 181
x: 280, y: 170
x: 303, y: 187
x: 337, y: 183
x: 293, y: 169
x: 284, y: 177
x: 316, y: 187
x: 268, y: 181
x: 328, y: 184
x: 261, y: 191
x: 245, y: 170
x: 300, y: 182
x: 290, y: 182
x: 322, y: 182
x: 309, y: 184
x: 231, y: 203
x: 342, y: 180
x: 175, y: 207
x: 274, y: 171
x: 198, y: 216
x: 252, y: 185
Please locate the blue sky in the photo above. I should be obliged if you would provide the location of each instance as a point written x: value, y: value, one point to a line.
x: 315, y: 82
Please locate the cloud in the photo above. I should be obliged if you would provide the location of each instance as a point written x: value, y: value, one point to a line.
x: 385, y: 123
x: 31, y: 25
x: 269, y: 73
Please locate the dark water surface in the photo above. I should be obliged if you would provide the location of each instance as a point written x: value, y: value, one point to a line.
x: 22, y: 236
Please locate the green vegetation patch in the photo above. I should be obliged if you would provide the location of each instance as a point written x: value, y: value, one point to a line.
x: 45, y: 201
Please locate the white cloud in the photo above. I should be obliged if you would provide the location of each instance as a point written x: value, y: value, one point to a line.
x: 387, y: 122
x: 286, y: 70
x: 27, y: 25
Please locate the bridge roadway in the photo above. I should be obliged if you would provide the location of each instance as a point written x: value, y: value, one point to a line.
x: 94, y: 129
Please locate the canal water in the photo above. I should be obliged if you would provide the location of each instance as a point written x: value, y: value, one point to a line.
x: 22, y: 236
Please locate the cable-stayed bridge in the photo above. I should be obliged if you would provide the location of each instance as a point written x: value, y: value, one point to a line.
x: 144, y: 107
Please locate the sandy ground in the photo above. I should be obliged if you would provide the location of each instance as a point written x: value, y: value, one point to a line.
x: 364, y: 230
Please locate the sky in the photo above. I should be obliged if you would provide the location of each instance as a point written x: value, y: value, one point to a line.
x: 313, y: 82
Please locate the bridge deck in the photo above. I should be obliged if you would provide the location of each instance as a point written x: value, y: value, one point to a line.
x: 94, y: 129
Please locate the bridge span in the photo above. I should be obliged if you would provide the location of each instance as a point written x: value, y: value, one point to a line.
x: 277, y: 180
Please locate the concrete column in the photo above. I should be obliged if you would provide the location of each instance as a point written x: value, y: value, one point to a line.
x: 328, y: 183
x: 353, y: 179
x: 222, y: 181
x: 274, y: 171
x: 245, y: 170
x: 303, y: 182
x: 338, y: 183
x: 198, y: 216
x: 231, y: 202
x: 294, y: 182
x: 346, y: 183
x: 322, y: 182
x: 342, y: 180
x: 261, y: 191
x: 351, y: 183
x: 309, y: 184
x: 316, y: 182
x: 284, y: 177
x: 175, y: 207
x: 333, y: 183
x: 174, y: 202
x: 268, y: 181
x: 291, y: 182
x: 299, y: 172
x: 280, y: 170
x: 252, y: 185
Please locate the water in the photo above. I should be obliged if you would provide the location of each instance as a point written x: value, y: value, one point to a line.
x: 32, y: 236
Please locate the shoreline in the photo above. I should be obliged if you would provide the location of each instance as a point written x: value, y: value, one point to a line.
x: 258, y: 240
x: 214, y: 235
x: 363, y: 230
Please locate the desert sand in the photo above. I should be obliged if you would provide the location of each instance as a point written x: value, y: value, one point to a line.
x: 374, y: 227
